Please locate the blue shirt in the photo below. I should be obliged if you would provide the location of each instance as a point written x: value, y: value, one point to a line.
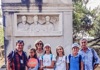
x: 74, y: 62
x: 88, y: 58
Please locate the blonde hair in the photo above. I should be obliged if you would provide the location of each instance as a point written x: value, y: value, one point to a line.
x: 57, y: 50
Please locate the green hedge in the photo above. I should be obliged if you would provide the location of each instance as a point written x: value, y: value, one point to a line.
x: 1, y: 36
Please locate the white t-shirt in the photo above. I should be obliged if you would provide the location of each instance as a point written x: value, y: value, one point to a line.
x: 47, y: 60
x: 61, y: 63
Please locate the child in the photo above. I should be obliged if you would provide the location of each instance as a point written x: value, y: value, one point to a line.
x: 61, y: 60
x: 33, y: 60
x: 74, y: 60
x: 47, y: 59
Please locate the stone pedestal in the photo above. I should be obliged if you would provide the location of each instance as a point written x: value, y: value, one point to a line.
x: 58, y: 31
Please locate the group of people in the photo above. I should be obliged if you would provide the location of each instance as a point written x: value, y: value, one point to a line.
x: 35, y: 26
x: 42, y: 58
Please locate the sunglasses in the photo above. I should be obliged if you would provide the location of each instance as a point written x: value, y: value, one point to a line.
x: 39, y: 43
x: 20, y: 41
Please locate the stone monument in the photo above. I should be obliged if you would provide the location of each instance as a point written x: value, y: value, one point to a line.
x: 24, y: 21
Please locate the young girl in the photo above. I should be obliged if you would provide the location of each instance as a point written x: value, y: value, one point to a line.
x: 61, y: 59
x: 47, y: 59
x: 32, y: 60
x: 74, y: 60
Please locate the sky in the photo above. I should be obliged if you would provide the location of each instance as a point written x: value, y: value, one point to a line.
x: 93, y: 3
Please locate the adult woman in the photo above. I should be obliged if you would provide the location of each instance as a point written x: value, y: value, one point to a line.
x: 39, y: 48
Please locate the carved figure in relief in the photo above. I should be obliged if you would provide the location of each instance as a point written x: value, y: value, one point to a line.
x: 48, y: 25
x: 35, y: 25
x: 23, y: 25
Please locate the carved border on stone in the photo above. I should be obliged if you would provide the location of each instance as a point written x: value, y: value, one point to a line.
x: 37, y: 24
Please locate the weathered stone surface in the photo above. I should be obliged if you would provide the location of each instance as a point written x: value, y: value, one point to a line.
x: 60, y: 13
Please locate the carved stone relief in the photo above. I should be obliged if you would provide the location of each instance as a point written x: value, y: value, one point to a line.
x: 38, y: 24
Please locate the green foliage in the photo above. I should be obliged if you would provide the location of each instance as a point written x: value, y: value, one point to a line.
x: 86, y: 21
x: 80, y: 12
x: 96, y: 22
x: 1, y: 36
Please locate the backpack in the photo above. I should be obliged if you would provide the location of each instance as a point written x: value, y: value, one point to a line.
x: 13, y: 54
x: 69, y: 57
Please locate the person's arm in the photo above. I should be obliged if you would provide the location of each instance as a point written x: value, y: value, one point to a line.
x: 41, y: 65
x: 82, y: 66
x: 26, y: 68
x: 97, y: 59
x: 95, y: 66
x: 67, y: 66
x: 9, y: 59
x: 8, y: 64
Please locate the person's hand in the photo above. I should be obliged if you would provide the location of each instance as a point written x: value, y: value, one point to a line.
x: 95, y: 66
x: 41, y: 67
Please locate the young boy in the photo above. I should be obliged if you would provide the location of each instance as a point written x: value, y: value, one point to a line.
x: 74, y: 60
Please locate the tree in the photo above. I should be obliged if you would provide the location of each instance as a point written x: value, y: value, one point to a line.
x: 83, y: 23
x: 1, y: 36
x: 79, y: 16
x: 1, y: 31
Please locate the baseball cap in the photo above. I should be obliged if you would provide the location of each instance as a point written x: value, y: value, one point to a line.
x: 75, y: 45
x: 47, y: 45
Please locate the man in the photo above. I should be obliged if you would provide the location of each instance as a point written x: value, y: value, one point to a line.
x: 89, y: 56
x: 48, y: 25
x: 23, y: 25
x: 17, y: 59
x: 35, y: 26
